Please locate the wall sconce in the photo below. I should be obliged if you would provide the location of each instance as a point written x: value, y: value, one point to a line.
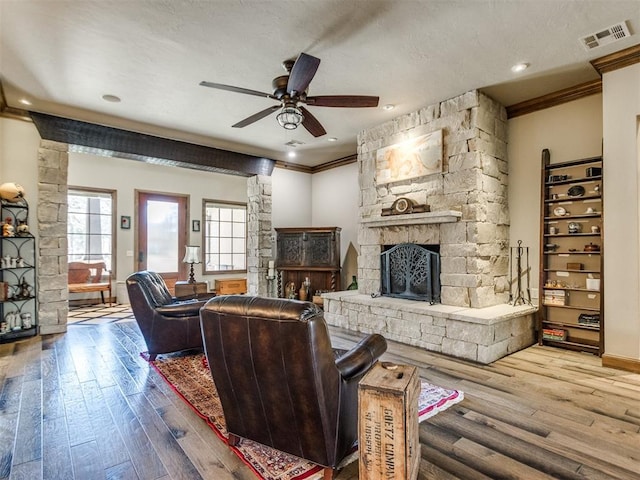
x: 191, y: 256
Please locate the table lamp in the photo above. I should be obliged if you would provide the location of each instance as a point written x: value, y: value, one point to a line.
x: 191, y: 256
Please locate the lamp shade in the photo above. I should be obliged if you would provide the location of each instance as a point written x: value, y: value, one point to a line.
x: 191, y: 254
x: 290, y: 117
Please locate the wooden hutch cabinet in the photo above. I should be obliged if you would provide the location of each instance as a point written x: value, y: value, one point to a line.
x: 313, y: 253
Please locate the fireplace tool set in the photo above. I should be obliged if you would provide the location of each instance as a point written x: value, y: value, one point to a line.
x: 519, y: 253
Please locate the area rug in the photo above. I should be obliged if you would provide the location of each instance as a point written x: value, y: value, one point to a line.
x: 189, y: 376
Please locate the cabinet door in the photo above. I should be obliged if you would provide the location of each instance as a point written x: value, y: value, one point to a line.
x: 290, y: 249
x: 320, y: 250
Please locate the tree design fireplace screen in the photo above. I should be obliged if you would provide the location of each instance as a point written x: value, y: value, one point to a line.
x: 410, y: 271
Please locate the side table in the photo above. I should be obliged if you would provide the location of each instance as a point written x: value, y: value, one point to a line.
x: 186, y: 289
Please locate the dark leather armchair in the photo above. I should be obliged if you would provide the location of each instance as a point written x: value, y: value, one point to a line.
x: 167, y: 324
x: 278, y: 379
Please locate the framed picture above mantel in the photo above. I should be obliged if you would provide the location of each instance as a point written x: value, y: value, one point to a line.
x: 411, y: 158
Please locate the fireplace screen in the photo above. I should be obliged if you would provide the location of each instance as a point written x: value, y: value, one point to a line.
x: 410, y: 271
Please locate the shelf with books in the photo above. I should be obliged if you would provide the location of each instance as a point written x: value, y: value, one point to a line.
x: 571, y: 246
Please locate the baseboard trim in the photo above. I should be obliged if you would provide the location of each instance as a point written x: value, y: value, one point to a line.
x: 621, y: 363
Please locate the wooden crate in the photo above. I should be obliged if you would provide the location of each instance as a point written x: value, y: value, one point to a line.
x: 230, y: 286
x: 389, y: 445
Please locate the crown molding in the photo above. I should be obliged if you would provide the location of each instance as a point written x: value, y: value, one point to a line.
x: 10, y: 112
x: 340, y: 162
x: 617, y: 60
x: 293, y: 166
x: 556, y: 98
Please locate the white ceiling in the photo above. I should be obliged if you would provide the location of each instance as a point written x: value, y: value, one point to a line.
x: 65, y: 55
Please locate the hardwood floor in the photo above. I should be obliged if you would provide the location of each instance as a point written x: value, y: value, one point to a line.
x: 84, y: 405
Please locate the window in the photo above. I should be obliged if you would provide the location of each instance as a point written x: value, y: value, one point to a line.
x: 90, y: 225
x: 225, y: 237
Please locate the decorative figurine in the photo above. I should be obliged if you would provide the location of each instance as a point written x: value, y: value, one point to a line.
x: 7, y: 228
x: 22, y: 228
x: 11, y: 192
x: 26, y: 320
x: 290, y: 290
x: 25, y: 289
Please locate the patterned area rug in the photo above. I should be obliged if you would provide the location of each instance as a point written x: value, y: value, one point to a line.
x: 189, y: 376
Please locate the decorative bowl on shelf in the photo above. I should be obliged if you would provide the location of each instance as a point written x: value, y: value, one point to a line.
x: 592, y: 248
x: 576, y: 191
x: 574, y: 227
x: 559, y: 212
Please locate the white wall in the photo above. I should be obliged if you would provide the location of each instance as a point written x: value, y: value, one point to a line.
x: 19, y: 142
x: 291, y: 198
x: 335, y: 200
x: 125, y: 176
x: 621, y: 99
x: 570, y: 131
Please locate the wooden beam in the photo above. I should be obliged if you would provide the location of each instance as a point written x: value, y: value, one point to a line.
x: 111, y: 141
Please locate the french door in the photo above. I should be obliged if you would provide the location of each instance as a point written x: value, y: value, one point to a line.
x: 162, y: 234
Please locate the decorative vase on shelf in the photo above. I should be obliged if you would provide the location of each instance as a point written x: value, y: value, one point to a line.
x: 354, y: 283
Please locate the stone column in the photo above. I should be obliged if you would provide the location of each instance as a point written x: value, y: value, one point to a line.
x: 53, y: 295
x: 259, y: 234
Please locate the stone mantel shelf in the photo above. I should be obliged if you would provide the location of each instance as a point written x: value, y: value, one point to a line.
x: 443, y: 216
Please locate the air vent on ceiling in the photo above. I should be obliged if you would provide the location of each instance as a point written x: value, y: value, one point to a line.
x: 293, y: 143
x: 604, y: 37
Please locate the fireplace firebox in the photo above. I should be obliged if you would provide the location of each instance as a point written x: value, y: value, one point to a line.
x: 411, y: 271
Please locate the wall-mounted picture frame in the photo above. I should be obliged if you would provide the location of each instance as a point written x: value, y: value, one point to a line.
x: 195, y: 225
x: 125, y: 222
x: 410, y: 158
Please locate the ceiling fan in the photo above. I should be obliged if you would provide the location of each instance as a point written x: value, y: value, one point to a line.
x: 290, y: 90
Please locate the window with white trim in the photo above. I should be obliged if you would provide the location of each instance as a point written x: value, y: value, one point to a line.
x: 90, y: 225
x: 225, y: 237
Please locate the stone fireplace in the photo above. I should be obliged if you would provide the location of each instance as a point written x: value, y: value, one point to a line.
x: 464, y: 212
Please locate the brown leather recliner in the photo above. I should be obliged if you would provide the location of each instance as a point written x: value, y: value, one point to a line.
x: 278, y: 378
x: 167, y: 324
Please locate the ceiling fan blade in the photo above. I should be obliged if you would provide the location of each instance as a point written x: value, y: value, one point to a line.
x: 302, y: 73
x: 231, y: 88
x: 256, y: 116
x: 349, y: 101
x: 311, y: 123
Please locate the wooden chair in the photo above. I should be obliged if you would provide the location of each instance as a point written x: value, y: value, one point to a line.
x: 90, y: 277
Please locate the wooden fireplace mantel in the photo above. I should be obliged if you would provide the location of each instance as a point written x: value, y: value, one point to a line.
x: 443, y: 216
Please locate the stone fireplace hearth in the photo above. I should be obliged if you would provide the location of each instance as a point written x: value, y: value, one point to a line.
x: 468, y: 219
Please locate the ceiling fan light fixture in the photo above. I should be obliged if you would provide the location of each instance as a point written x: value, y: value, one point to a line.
x: 290, y: 117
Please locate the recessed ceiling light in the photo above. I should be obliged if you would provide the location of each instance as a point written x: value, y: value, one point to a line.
x: 388, y: 106
x: 519, y: 67
x: 24, y: 101
x: 291, y: 154
x: 332, y: 139
x: 111, y: 98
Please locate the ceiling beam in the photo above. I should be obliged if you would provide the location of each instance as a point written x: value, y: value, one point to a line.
x: 109, y: 141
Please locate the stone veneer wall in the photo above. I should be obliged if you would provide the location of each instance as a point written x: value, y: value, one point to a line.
x: 474, y: 250
x: 259, y: 240
x: 53, y: 295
